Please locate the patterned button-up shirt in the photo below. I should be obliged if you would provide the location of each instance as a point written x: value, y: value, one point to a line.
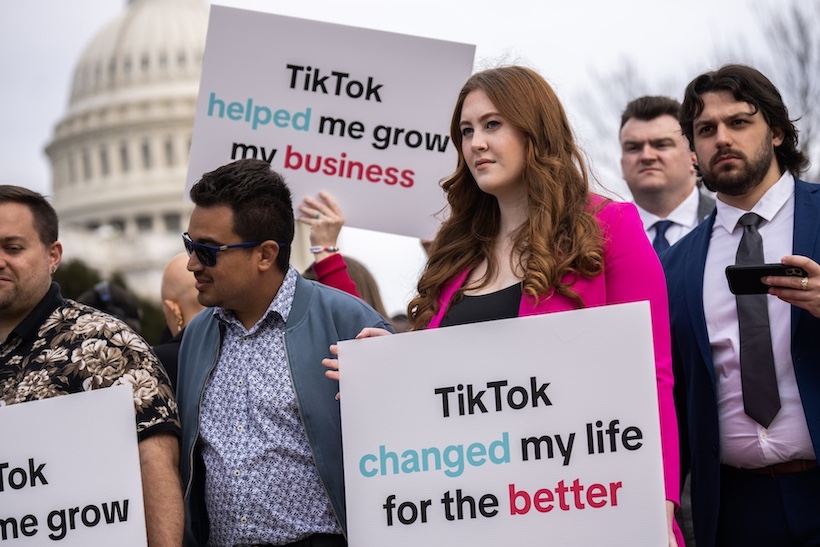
x: 261, y: 483
x: 65, y: 347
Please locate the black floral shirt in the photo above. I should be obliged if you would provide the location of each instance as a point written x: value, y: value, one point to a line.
x: 66, y: 347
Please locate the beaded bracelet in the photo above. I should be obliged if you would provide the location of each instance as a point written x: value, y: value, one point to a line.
x: 318, y: 249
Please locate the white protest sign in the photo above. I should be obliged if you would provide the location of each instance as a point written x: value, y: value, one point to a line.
x: 70, y: 473
x: 534, y: 430
x: 359, y: 113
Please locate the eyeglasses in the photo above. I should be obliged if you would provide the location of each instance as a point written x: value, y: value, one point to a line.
x: 206, y: 254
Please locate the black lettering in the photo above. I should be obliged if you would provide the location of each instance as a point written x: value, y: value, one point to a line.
x: 35, y: 474
x: 354, y: 89
x: 630, y: 434
x: 333, y: 123
x: 294, y: 72
x: 372, y: 91
x: 511, y: 397
x: 251, y: 151
x: 94, y: 520
x: 539, y: 393
x: 445, y: 399
x: 5, y: 524
x: 58, y: 528
x: 435, y: 142
x: 319, y: 82
x: 474, y: 401
x: 535, y: 443
x: 340, y: 76
x: 496, y: 386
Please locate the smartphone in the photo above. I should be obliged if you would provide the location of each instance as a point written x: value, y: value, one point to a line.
x: 746, y: 279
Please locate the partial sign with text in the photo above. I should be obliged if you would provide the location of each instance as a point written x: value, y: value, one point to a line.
x: 530, y: 430
x: 359, y: 113
x: 70, y: 473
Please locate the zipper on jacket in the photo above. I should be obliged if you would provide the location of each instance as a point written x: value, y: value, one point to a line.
x: 302, y: 417
x: 199, y: 420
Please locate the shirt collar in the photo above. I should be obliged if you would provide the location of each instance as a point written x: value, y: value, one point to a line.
x: 685, y: 214
x: 767, y: 206
x: 280, y: 305
x: 28, y: 327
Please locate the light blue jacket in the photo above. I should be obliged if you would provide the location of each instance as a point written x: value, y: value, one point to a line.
x: 320, y: 316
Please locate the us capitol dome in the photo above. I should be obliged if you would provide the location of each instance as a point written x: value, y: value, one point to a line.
x: 119, y: 155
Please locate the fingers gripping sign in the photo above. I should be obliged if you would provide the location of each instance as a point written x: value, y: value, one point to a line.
x: 332, y: 365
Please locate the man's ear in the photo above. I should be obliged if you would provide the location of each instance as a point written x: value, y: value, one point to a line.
x: 777, y: 136
x: 268, y: 253
x: 173, y: 307
x: 55, y: 256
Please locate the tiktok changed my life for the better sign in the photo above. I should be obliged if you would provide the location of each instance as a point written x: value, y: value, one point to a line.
x: 538, y: 428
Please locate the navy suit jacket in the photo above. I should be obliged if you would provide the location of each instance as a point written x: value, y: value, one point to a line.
x: 692, y: 356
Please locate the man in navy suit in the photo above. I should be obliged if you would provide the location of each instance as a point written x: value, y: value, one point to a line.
x: 752, y: 484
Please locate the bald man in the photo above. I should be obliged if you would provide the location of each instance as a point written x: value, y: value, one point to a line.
x: 179, y: 305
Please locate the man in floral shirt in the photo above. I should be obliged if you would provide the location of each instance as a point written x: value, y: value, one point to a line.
x: 51, y: 346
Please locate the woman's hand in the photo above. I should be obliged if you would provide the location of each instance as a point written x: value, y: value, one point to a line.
x: 325, y: 220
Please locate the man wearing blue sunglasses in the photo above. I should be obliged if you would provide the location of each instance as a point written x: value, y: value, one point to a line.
x: 261, y: 448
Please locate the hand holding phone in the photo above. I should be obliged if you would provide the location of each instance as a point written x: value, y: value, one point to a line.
x: 746, y: 279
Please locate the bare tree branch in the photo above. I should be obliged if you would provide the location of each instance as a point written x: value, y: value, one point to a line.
x: 788, y: 52
x: 785, y: 46
x: 601, y: 107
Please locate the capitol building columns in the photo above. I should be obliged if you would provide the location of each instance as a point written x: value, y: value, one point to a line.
x: 119, y: 154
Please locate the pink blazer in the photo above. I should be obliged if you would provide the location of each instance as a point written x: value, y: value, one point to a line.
x: 632, y: 273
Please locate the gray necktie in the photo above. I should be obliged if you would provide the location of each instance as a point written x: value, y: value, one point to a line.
x: 758, y: 380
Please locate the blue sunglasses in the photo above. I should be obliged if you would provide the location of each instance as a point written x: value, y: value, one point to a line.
x: 206, y: 254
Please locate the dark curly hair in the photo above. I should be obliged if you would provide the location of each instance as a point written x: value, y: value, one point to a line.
x: 748, y: 85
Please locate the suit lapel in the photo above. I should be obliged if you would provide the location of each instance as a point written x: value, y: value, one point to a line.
x: 696, y: 257
x: 705, y: 206
x: 806, y: 227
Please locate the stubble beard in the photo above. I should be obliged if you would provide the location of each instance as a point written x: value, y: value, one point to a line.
x: 7, y: 300
x: 739, y: 181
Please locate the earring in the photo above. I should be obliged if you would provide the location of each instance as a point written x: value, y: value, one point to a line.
x: 180, y: 322
x: 53, y: 270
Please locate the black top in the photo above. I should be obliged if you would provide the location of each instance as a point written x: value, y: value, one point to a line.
x: 168, y: 354
x: 501, y: 304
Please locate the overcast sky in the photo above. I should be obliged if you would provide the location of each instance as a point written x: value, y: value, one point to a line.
x: 566, y: 40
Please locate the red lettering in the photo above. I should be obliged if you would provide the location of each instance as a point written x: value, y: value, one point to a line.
x: 594, y: 492
x: 289, y: 154
x: 346, y: 168
x: 613, y: 488
x: 544, y: 499
x: 514, y: 496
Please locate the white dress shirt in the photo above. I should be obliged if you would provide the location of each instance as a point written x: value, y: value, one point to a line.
x: 684, y: 217
x: 744, y: 442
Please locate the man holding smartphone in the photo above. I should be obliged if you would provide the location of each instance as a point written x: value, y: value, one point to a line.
x: 748, y: 366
